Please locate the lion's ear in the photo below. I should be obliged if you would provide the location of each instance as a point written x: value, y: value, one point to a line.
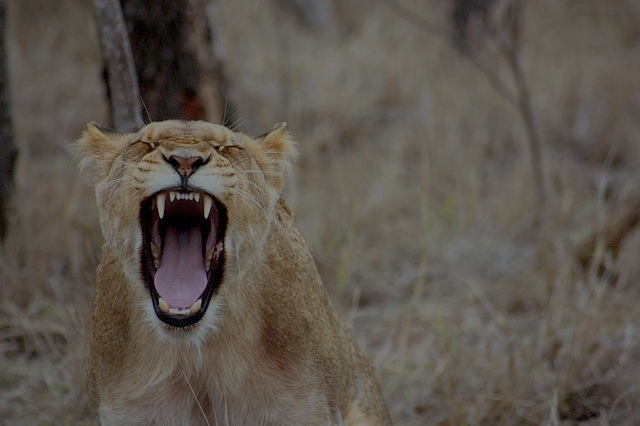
x: 99, y: 147
x: 276, y: 153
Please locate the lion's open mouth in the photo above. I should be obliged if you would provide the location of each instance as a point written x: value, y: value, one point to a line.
x: 183, y: 253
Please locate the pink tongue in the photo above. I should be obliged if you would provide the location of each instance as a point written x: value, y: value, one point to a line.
x: 181, y: 277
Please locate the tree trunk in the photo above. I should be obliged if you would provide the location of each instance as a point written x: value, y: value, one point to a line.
x: 179, y: 74
x: 121, y: 76
x: 212, y: 90
x: 8, y: 150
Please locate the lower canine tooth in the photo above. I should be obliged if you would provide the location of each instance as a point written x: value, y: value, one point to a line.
x: 196, y: 306
x: 163, y: 305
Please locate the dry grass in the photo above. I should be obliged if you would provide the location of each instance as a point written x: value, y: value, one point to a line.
x: 414, y: 193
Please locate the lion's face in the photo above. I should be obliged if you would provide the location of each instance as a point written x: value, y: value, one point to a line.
x: 184, y: 204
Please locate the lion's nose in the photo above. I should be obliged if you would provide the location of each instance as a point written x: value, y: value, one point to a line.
x: 185, y: 166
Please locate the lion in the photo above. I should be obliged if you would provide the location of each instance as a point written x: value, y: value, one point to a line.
x: 208, y: 307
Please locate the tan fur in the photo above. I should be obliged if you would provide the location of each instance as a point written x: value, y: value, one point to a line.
x: 270, y: 349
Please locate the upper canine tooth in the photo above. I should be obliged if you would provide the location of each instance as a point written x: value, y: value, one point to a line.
x: 160, y: 204
x: 208, y: 202
x: 172, y: 195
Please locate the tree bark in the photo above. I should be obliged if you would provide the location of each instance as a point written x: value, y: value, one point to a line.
x: 121, y: 76
x: 8, y: 150
x: 179, y: 73
x: 212, y: 90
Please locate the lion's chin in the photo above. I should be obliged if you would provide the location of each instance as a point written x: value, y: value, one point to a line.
x: 182, y: 253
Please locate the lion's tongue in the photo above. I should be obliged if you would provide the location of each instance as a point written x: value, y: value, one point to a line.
x: 181, y: 276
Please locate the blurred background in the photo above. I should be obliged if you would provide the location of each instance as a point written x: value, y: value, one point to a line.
x: 468, y: 186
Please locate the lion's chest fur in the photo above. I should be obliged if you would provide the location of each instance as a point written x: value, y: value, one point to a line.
x: 175, y: 404
x: 215, y: 396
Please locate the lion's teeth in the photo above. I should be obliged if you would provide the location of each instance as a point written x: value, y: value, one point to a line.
x: 208, y: 202
x: 196, y: 306
x: 196, y: 196
x: 172, y: 196
x: 163, y: 305
x: 209, y: 257
x: 156, y: 254
x: 180, y: 311
x: 160, y: 204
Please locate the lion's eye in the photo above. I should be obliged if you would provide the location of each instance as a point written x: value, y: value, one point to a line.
x: 227, y: 148
x: 137, y: 149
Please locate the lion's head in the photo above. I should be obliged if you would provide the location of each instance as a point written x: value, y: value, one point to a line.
x: 183, y: 204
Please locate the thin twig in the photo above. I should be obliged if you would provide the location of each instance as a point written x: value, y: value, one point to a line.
x: 520, y: 99
x: 452, y: 38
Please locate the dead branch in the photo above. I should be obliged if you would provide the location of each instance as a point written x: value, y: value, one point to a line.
x: 507, y: 38
x: 608, y: 239
x: 126, y: 107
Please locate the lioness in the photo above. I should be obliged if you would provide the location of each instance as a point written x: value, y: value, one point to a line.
x: 208, y: 308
